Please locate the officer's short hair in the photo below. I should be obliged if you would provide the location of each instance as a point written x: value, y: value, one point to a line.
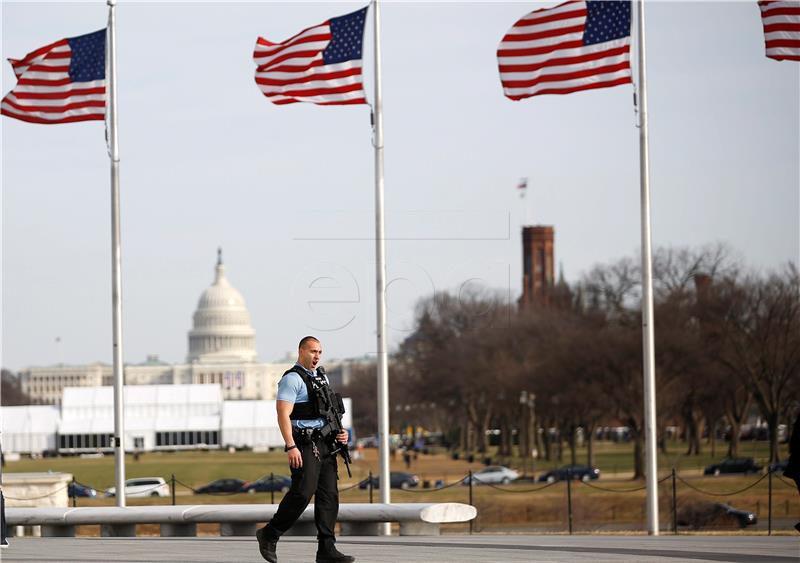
x: 306, y: 339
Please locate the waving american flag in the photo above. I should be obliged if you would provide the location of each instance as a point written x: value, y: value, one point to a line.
x: 321, y: 64
x: 61, y: 82
x: 567, y: 48
x: 781, y: 20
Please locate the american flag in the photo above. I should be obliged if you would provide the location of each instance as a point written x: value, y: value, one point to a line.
x: 522, y: 187
x: 60, y: 83
x: 321, y: 64
x: 781, y: 29
x: 570, y: 47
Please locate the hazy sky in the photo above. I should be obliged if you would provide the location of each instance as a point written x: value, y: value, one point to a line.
x: 288, y: 191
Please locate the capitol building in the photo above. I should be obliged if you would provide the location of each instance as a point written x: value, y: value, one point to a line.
x: 222, y: 397
x: 222, y: 351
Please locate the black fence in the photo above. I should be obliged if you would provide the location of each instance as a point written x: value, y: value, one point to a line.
x: 681, y: 505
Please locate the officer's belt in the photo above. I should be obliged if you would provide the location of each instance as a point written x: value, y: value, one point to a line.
x: 314, y: 434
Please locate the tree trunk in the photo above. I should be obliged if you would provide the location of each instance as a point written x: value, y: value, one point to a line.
x: 638, y: 450
x: 736, y: 414
x: 590, y: 446
x: 772, y: 420
x: 694, y: 433
x: 537, y: 441
x: 733, y: 444
x: 572, y: 445
x: 712, y: 437
x: 505, y: 437
x: 548, y: 445
x: 464, y: 436
x: 662, y: 441
x: 484, y: 426
x: 559, y: 445
x: 524, y: 445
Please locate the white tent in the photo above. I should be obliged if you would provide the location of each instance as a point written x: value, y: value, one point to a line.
x: 156, y: 417
x: 254, y: 424
x: 29, y: 429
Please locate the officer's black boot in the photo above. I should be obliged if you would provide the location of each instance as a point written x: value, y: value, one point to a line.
x: 267, y: 544
x: 327, y: 553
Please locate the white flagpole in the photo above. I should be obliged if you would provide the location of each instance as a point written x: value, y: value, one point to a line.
x: 116, y: 261
x: 648, y: 341
x: 380, y: 275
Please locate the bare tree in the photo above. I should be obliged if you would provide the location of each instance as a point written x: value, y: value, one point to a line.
x: 472, y: 362
x: 11, y: 390
x: 757, y: 333
x: 362, y: 390
x: 451, y: 347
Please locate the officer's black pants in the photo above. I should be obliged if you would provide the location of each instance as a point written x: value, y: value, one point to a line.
x: 316, y: 478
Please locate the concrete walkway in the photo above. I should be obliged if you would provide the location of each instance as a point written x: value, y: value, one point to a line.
x: 454, y: 548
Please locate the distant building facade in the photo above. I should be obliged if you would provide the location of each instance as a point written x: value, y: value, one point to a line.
x: 222, y: 351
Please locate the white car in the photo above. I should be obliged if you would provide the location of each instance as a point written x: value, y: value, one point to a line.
x: 143, y: 487
x: 494, y: 474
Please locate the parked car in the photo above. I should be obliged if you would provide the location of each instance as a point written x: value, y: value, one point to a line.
x: 78, y: 490
x: 367, y: 442
x: 221, y: 486
x: 397, y: 480
x: 779, y: 466
x: 143, y: 487
x: 706, y: 514
x: 267, y: 483
x: 493, y: 474
x: 577, y: 472
x: 733, y: 465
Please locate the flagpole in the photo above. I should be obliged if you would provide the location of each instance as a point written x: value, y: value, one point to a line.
x: 116, y: 267
x: 648, y: 341
x: 380, y: 275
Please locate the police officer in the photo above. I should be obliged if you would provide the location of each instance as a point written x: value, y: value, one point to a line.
x: 792, y: 470
x: 308, y: 448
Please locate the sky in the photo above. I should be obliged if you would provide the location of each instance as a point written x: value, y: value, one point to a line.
x: 288, y: 191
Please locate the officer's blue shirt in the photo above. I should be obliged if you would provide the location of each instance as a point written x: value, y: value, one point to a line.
x: 292, y: 390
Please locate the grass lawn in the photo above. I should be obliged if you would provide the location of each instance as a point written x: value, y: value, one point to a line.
x: 196, y: 468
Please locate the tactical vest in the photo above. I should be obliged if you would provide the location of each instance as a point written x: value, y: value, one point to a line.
x: 309, y: 410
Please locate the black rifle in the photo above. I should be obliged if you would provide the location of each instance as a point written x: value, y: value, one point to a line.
x: 331, y: 407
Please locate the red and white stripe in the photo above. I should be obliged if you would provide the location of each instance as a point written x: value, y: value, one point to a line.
x: 781, y: 21
x: 293, y: 71
x: 45, y: 93
x: 543, y: 53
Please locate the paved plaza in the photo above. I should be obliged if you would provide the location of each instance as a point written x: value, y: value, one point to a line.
x: 454, y: 548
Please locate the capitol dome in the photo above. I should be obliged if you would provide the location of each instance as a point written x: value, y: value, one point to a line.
x: 222, y: 330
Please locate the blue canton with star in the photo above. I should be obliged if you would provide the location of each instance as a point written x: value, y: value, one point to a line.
x: 347, y: 35
x: 607, y: 20
x: 88, y: 62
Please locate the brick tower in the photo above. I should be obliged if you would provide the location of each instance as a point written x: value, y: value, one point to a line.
x: 537, y: 265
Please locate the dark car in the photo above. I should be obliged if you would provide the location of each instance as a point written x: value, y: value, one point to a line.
x: 268, y: 484
x: 702, y: 514
x: 733, y: 465
x: 397, y: 480
x: 221, y: 486
x: 78, y: 490
x: 779, y: 466
x: 578, y: 472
